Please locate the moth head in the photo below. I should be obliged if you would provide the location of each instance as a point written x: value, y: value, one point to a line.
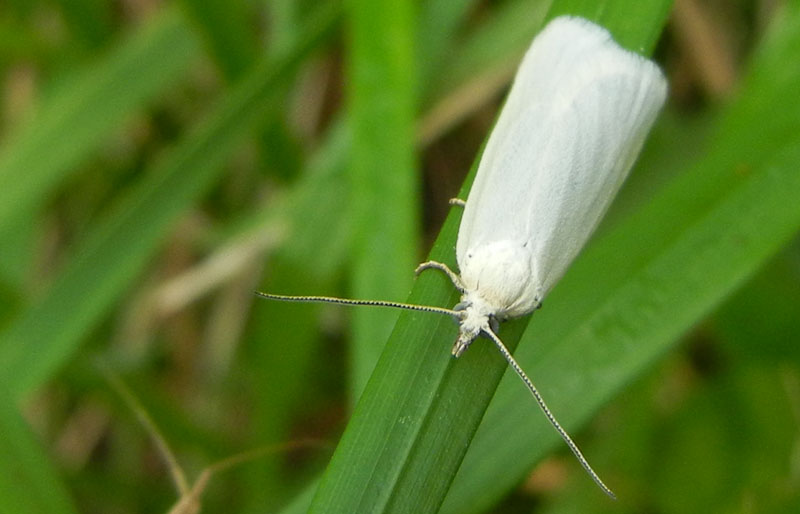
x: 473, y: 318
x: 465, y: 338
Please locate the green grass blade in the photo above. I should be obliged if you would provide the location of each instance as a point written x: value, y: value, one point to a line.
x: 492, y: 49
x: 421, y: 408
x: 439, y: 21
x: 50, y: 331
x: 622, y: 18
x: 227, y: 31
x: 383, y: 175
x: 625, y: 334
x: 76, y: 118
x: 28, y: 482
x: 757, y: 318
x: 283, y: 341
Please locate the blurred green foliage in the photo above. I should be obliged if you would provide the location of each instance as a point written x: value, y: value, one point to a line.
x: 160, y: 162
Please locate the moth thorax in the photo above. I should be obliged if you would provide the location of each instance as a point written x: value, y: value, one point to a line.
x: 499, y: 273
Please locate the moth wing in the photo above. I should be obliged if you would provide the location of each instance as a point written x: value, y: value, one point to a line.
x: 572, y: 126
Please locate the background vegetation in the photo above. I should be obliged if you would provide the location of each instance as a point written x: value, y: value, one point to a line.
x: 162, y: 160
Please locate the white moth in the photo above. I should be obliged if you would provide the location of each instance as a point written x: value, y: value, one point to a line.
x: 572, y: 126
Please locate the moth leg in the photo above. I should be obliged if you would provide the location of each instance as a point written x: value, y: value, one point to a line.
x: 452, y: 275
x: 457, y: 201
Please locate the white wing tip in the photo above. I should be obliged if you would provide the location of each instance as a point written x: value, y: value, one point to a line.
x: 572, y: 27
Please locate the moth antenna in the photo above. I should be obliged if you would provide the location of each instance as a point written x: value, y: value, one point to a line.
x: 348, y: 301
x: 548, y: 414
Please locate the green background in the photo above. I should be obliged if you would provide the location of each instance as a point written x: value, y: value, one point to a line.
x: 161, y: 161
